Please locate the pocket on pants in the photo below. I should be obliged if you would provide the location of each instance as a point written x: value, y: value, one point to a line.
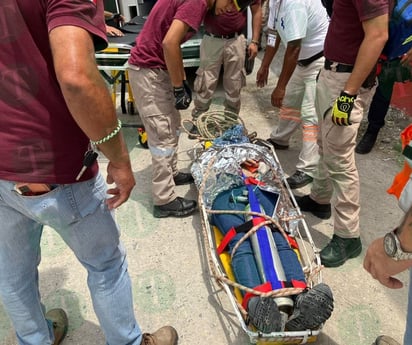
x: 199, y: 83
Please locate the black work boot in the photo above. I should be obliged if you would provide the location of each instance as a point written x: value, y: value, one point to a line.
x: 312, y: 308
x: 276, y: 145
x: 299, y: 179
x: 182, y: 178
x: 365, y: 145
x: 339, y: 250
x: 264, y: 314
x: 166, y: 335
x: 58, y: 317
x: 179, y: 207
x: 306, y: 204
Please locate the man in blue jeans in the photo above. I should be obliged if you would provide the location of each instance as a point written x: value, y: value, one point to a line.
x: 53, y: 105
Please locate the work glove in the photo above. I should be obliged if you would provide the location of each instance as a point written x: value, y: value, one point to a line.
x: 183, y: 96
x: 342, y: 108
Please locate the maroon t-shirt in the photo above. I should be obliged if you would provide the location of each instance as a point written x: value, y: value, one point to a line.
x: 226, y: 23
x: 39, y: 140
x: 148, y: 51
x: 345, y: 33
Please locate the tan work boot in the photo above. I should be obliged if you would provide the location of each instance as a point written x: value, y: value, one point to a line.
x: 166, y: 335
x: 60, y: 324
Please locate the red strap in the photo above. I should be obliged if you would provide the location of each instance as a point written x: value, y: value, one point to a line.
x: 233, y: 231
x: 225, y: 241
x: 266, y: 287
x: 298, y: 284
x: 292, y: 242
x: 252, y: 180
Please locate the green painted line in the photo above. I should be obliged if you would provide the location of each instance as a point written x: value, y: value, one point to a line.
x: 5, y: 324
x: 358, y: 324
x: 154, y: 291
x: 52, y: 244
x: 72, y: 303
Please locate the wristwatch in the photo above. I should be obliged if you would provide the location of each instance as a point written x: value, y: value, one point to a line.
x: 392, y: 247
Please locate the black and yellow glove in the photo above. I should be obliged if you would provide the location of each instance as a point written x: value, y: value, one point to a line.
x: 342, y: 108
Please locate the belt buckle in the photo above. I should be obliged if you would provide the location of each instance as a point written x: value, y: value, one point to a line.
x: 334, y: 66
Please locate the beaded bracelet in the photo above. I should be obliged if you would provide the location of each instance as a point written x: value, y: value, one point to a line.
x: 109, y: 136
x: 254, y: 42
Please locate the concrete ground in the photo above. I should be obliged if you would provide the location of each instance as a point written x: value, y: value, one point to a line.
x: 169, y: 270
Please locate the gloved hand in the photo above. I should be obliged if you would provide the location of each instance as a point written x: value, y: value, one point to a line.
x: 183, y: 96
x: 342, y: 108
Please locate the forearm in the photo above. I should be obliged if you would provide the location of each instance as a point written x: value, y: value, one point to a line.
x: 405, y: 232
x: 256, y: 22
x: 84, y: 90
x: 289, y: 63
x: 174, y: 63
x: 270, y: 53
x: 368, y: 54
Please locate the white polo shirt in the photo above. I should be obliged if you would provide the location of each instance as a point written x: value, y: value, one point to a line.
x: 300, y: 19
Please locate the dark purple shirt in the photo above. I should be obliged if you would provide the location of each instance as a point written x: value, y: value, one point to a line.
x: 227, y: 23
x: 39, y: 139
x: 345, y: 33
x: 148, y: 51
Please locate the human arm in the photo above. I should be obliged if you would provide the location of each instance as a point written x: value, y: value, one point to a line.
x: 406, y: 58
x: 256, y: 26
x: 384, y: 268
x: 376, y: 35
x: 173, y: 53
x: 263, y: 72
x: 289, y: 64
x: 90, y: 104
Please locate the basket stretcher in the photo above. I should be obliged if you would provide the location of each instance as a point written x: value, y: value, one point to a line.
x: 287, y: 217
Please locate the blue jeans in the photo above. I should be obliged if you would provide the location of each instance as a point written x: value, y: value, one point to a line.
x: 79, y: 214
x: 243, y: 262
x: 408, y: 333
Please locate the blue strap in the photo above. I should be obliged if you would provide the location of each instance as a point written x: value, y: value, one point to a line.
x: 264, y: 245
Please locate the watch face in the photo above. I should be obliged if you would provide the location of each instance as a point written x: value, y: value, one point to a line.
x: 390, y: 244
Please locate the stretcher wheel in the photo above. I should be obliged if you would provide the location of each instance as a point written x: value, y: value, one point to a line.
x: 130, y: 108
x: 142, y: 137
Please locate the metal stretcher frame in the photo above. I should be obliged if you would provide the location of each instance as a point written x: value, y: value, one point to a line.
x: 220, y: 264
x: 112, y: 64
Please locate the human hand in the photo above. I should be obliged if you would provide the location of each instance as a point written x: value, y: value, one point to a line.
x: 252, y: 50
x: 183, y: 96
x: 406, y: 58
x: 122, y: 176
x: 112, y: 31
x: 342, y: 108
x: 277, y: 96
x: 382, y: 267
x: 262, y: 76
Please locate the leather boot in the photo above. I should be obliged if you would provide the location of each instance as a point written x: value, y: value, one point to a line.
x: 367, y: 142
x: 166, y: 335
x: 339, y: 250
